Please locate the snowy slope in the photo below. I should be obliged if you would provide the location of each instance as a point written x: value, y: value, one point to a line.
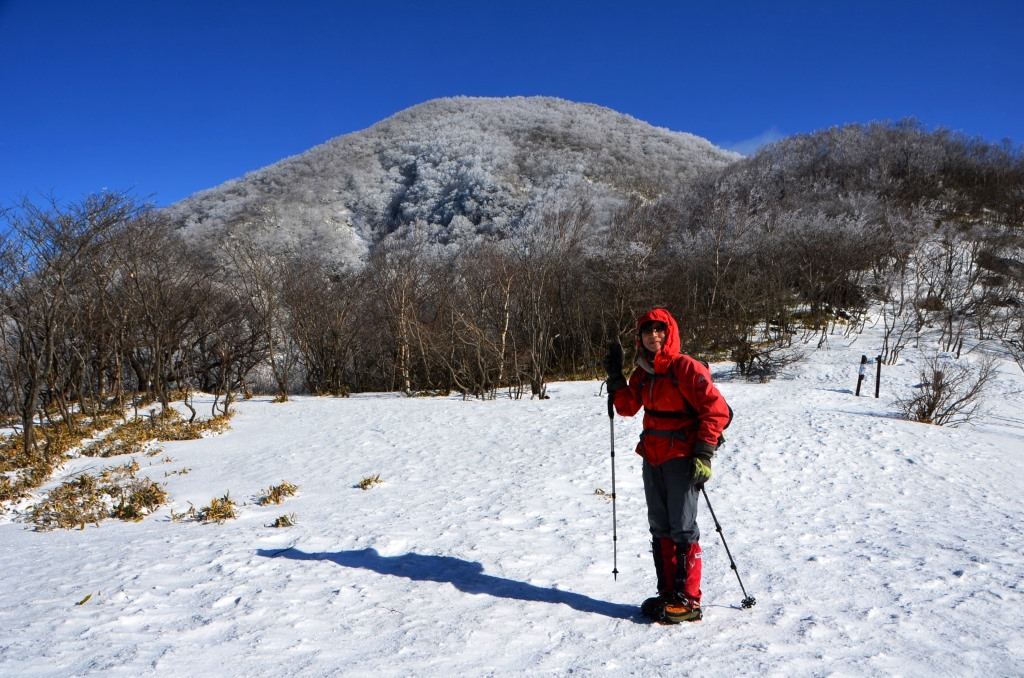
x: 874, y: 546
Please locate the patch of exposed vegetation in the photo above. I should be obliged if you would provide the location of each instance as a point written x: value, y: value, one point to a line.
x: 138, y: 435
x: 220, y: 510
x: 277, y: 494
x: 87, y: 499
x: 284, y: 521
x: 23, y: 471
x: 369, y: 481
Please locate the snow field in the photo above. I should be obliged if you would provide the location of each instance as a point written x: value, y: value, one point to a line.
x: 873, y: 545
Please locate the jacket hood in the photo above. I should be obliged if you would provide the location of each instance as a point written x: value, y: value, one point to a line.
x: 663, y: 358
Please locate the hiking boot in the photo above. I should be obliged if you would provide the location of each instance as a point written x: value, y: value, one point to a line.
x: 654, y: 608
x: 682, y: 610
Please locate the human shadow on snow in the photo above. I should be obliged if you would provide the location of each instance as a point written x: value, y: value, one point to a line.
x: 466, y: 576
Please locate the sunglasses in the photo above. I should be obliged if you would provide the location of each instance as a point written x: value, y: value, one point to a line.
x: 660, y: 328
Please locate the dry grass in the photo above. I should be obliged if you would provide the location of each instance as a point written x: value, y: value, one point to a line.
x: 190, y: 514
x: 370, y: 481
x: 218, y: 511
x: 277, y: 494
x: 139, y: 434
x: 138, y: 499
x: 23, y: 472
x: 88, y: 499
x: 284, y: 521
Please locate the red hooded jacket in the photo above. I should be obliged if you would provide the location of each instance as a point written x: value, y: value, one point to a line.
x: 681, y: 404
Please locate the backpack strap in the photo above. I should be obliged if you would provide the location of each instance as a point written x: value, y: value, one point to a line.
x: 688, y: 411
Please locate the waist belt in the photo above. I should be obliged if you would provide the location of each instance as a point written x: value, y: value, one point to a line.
x: 674, y: 434
x: 662, y: 414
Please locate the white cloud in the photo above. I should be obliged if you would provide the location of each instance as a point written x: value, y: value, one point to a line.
x: 750, y: 146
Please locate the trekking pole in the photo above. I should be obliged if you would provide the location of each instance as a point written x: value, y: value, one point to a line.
x: 615, y: 535
x: 748, y: 601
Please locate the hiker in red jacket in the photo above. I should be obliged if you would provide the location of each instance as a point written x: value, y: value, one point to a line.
x: 684, y: 416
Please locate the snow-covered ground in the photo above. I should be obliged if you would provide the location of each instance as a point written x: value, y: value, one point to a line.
x: 873, y: 545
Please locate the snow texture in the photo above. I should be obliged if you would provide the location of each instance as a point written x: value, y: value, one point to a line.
x: 874, y: 546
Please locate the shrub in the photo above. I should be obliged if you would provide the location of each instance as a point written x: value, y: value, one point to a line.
x: 950, y: 392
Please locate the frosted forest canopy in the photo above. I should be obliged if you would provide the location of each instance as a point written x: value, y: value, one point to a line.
x: 475, y: 245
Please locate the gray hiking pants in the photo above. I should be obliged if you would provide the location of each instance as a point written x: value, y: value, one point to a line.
x: 672, y: 500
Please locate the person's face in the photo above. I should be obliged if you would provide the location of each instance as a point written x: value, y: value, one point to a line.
x: 653, y: 336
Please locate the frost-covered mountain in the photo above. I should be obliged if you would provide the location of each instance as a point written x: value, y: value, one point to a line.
x: 457, y: 166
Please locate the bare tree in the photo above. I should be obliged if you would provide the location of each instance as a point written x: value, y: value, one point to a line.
x: 259, y: 278
x: 324, y: 309
x: 545, y: 256
x: 398, y: 277
x: 627, y: 275
x: 44, y: 259
x: 164, y: 290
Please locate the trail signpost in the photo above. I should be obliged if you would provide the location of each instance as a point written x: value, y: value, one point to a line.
x: 862, y: 372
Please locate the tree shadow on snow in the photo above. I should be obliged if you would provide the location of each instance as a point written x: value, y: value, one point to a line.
x: 464, y: 575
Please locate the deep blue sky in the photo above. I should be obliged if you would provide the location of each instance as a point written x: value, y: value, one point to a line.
x: 164, y: 98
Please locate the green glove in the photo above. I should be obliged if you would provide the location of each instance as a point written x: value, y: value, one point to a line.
x: 702, y: 453
x: 701, y: 471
